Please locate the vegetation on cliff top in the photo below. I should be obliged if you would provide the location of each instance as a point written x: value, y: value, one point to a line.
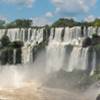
x: 62, y: 22
x: 25, y: 23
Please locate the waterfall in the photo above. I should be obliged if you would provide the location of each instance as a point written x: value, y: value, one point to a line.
x: 29, y: 34
x: 2, y: 32
x: 52, y: 34
x: 56, y: 49
x: 39, y: 37
x: 13, y: 34
x: 14, y: 56
x: 91, y: 30
x: 93, y: 63
x: 27, y: 56
x: 57, y: 33
x: 72, y: 35
x: 78, y: 59
x: 55, y: 57
x: 22, y: 34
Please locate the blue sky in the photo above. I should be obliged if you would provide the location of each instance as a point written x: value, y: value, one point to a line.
x: 47, y: 11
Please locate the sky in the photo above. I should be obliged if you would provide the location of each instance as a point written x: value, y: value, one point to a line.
x: 47, y: 11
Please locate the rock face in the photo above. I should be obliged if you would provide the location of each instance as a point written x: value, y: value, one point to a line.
x: 87, y: 42
x: 10, y: 52
x: 98, y: 97
x: 10, y: 56
x: 63, y: 44
x: 16, y: 44
x: 95, y: 39
x: 5, y: 41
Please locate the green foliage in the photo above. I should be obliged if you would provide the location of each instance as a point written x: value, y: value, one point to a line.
x: 16, y: 44
x: 96, y: 22
x: 65, y: 22
x: 5, y: 41
x: 97, y: 48
x: 86, y: 23
x: 11, y: 25
x: 23, y: 23
x: 96, y: 75
x: 62, y: 22
x: 20, y: 23
x: 2, y: 23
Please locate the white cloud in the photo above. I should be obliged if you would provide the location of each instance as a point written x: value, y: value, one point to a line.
x: 3, y: 18
x: 27, y: 3
x: 49, y: 14
x: 41, y: 21
x: 73, y: 6
x: 90, y: 18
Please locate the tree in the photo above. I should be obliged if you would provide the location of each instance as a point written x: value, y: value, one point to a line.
x: 97, y: 22
x: 62, y: 22
x: 23, y: 23
x: 20, y: 23
x: 2, y: 23
x: 5, y: 41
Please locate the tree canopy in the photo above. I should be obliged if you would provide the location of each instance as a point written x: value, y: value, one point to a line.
x: 20, y: 23
x: 2, y: 23
x: 63, y: 22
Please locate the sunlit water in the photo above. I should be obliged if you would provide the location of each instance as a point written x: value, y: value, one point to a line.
x: 33, y: 91
x: 28, y: 81
x: 16, y: 85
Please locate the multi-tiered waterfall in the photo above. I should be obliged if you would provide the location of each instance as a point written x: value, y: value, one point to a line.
x: 64, y: 49
x: 44, y: 58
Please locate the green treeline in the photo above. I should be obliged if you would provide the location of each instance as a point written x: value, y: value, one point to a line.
x: 19, y: 23
x: 62, y: 22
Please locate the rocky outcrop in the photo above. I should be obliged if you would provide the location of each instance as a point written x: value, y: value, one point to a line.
x: 46, y: 34
x: 10, y: 56
x: 95, y: 39
x: 16, y: 44
x: 10, y: 52
x: 87, y: 42
x: 98, y: 97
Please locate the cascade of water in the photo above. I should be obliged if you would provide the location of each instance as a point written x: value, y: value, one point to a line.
x: 39, y: 37
x: 29, y: 33
x: 67, y: 37
x: 55, y: 57
x: 93, y: 62
x: 14, y: 56
x: 2, y: 32
x: 33, y: 37
x: 56, y: 48
x: 99, y: 31
x: 58, y: 32
x: 23, y: 32
x: 12, y: 34
x: 52, y: 34
x: 27, y: 56
x: 78, y: 59
x: 55, y: 51
x: 91, y: 30
x: 72, y: 35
